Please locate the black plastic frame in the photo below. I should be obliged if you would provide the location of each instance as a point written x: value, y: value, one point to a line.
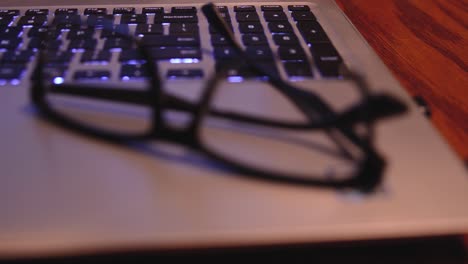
x: 339, y: 126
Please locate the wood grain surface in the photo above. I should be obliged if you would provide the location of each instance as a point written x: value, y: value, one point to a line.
x: 425, y: 44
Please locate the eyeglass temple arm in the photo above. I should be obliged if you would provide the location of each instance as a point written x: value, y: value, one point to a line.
x: 376, y: 106
x: 214, y: 18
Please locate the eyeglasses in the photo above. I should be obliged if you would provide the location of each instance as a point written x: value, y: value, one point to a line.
x: 320, y: 147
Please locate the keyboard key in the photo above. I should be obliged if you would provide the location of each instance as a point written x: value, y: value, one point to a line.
x: 39, y: 32
x: 90, y: 56
x: 9, y: 12
x: 325, y: 50
x: 244, y: 8
x: 39, y: 43
x: 275, y: 16
x: 312, y: 32
x: 225, y: 53
x: 280, y: 27
x: 297, y: 69
x: 117, y: 31
x: 271, y: 8
x: 178, y: 18
x: 95, y: 11
x: 153, y: 10
x: 37, y: 12
x: 82, y: 44
x: 6, y: 20
x: 327, y: 59
x: 10, y: 43
x: 66, y: 11
x: 11, y: 71
x: 62, y: 19
x: 285, y: 39
x: 250, y: 27
x: 259, y: 53
x: 67, y: 27
x: 303, y: 16
x: 163, y: 40
x: 92, y: 75
x: 291, y: 53
x: 133, y: 19
x: 298, y: 8
x: 247, y: 17
x: 167, y: 53
x: 183, y: 29
x: 184, y: 9
x: 236, y: 71
x: 239, y: 69
x: 37, y: 20
x: 17, y: 56
x: 118, y: 43
x: 219, y: 40
x: 133, y: 71
x: 10, y: 32
x: 184, y: 73
x: 123, y: 10
x: 100, y: 20
x: 254, y: 40
x: 148, y: 29
x: 85, y: 33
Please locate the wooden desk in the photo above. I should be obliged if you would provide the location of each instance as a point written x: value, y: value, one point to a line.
x: 425, y: 44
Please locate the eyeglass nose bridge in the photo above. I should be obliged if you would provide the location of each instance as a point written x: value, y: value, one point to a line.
x: 185, y: 135
x: 165, y: 129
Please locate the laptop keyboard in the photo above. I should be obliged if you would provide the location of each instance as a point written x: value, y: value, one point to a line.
x: 288, y: 40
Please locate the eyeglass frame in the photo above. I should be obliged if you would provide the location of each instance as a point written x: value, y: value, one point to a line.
x: 365, y: 179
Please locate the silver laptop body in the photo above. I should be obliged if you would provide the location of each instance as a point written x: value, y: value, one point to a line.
x: 65, y: 193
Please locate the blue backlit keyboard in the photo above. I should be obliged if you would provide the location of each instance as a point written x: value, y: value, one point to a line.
x: 287, y: 39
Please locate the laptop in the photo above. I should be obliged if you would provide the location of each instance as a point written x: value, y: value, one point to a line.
x: 65, y: 193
